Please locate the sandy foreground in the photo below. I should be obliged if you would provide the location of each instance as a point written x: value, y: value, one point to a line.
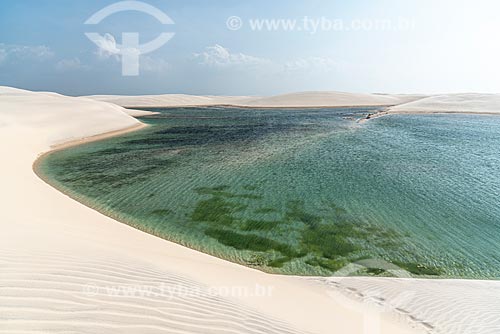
x: 67, y: 268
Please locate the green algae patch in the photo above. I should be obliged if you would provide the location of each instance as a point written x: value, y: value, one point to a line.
x: 295, y: 212
x: 328, y: 241
x: 249, y: 242
x: 418, y: 268
x: 260, y: 225
x: 327, y: 264
x: 266, y: 210
x: 216, y: 210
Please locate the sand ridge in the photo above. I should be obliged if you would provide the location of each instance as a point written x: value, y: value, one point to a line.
x: 293, y: 100
x: 469, y: 103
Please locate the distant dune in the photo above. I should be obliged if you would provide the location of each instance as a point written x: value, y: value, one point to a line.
x: 303, y: 99
x: 453, y: 103
x: 169, y: 100
x: 398, y: 103
x: 329, y: 99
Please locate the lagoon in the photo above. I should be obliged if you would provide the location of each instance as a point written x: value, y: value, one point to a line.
x: 303, y: 191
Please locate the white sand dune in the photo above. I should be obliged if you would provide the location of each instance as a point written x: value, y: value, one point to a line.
x: 452, y: 103
x: 40, y: 114
x: 303, y: 99
x: 440, y: 306
x: 65, y: 268
x: 169, y: 100
x: 329, y: 99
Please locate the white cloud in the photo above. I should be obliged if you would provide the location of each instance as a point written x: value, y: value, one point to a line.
x: 219, y: 56
x: 13, y: 52
x: 106, y: 46
x: 323, y: 64
x: 70, y: 65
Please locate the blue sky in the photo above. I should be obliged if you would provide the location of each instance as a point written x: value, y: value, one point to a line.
x: 428, y: 47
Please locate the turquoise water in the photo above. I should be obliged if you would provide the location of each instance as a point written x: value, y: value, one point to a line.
x: 303, y: 191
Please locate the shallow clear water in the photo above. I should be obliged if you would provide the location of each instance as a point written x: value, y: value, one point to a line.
x: 304, y: 191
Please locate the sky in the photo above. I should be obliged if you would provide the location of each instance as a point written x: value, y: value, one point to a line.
x: 226, y: 47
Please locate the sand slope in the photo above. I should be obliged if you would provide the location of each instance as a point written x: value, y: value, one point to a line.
x: 452, y: 103
x: 439, y: 305
x: 169, y: 100
x: 65, y: 268
x: 303, y: 99
x: 329, y: 99
x: 40, y: 114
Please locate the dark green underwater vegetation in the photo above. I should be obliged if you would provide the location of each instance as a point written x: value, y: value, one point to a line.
x: 329, y: 243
